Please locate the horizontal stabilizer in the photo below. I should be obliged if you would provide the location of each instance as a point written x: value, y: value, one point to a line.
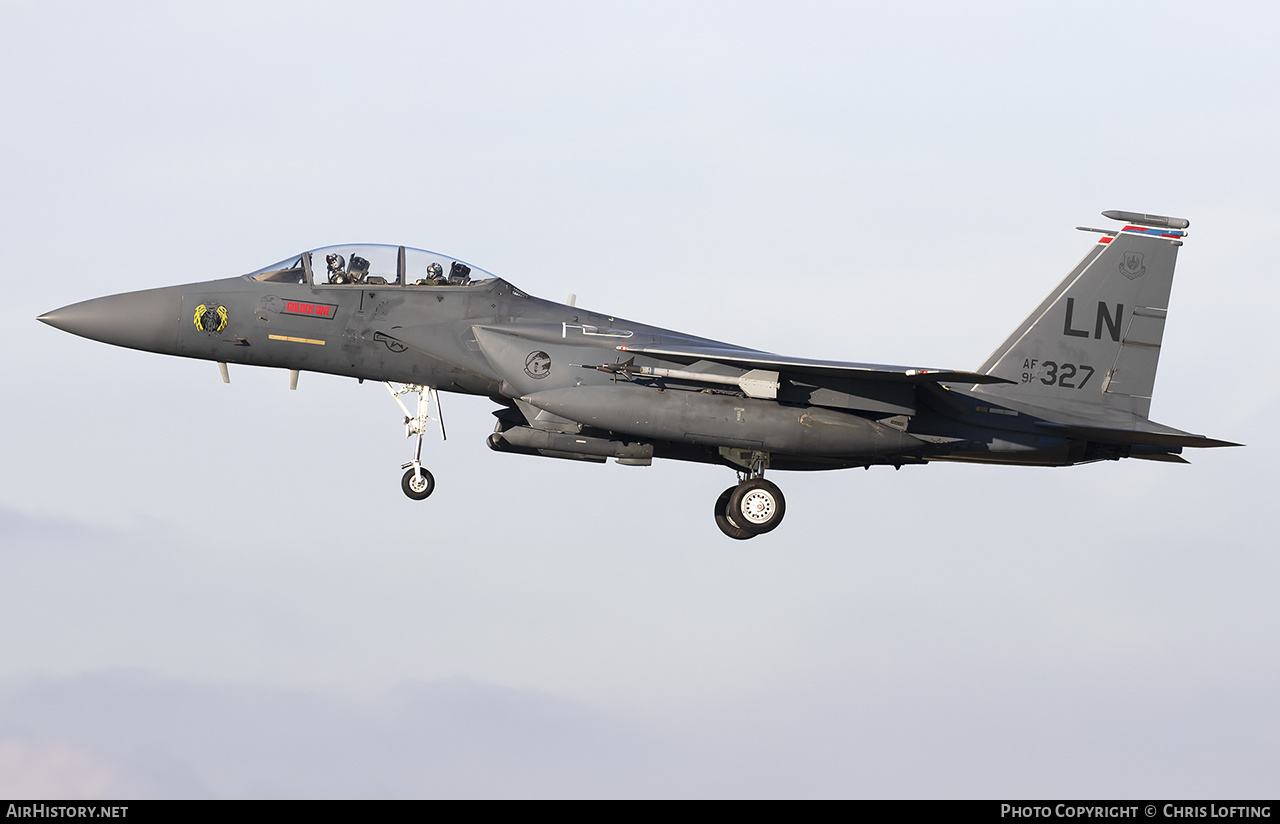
x: 1134, y: 437
x: 752, y: 359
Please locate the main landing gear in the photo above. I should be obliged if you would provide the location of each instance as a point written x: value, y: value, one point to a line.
x: 753, y: 507
x: 417, y: 482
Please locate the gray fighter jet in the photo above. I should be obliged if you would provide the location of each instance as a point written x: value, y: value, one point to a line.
x: 1072, y: 384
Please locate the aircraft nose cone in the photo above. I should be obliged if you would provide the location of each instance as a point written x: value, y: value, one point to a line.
x: 139, y: 320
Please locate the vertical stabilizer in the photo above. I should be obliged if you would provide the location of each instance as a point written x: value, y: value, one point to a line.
x: 1093, y: 344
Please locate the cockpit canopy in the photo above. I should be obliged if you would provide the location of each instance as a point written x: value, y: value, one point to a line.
x: 371, y: 264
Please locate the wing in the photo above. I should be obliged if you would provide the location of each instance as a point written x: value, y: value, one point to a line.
x: 753, y: 359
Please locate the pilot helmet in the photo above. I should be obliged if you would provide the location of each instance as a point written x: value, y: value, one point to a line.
x: 435, y: 270
x: 336, y: 261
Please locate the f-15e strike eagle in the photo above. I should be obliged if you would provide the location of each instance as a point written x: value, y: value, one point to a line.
x: 1072, y: 384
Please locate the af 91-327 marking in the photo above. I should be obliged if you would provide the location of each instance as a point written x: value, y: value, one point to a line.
x: 1058, y: 374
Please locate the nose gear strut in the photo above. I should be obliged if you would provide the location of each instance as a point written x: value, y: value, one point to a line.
x: 417, y: 482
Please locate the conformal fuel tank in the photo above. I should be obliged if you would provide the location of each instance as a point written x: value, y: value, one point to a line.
x: 721, y: 420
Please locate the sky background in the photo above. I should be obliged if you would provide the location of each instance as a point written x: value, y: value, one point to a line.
x: 220, y: 591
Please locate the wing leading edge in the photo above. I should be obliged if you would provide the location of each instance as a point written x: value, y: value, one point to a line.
x: 752, y: 359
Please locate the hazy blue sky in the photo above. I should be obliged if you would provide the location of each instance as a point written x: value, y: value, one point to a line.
x: 211, y: 590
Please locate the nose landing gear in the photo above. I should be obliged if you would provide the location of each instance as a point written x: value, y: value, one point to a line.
x: 753, y: 507
x: 417, y: 482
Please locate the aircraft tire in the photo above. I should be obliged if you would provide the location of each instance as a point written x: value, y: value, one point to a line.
x: 757, y: 506
x: 727, y: 526
x: 415, y: 490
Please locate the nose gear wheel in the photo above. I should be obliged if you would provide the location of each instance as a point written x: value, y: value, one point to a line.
x: 418, y: 483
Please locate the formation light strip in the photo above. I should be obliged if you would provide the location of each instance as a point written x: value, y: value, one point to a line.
x: 296, y: 340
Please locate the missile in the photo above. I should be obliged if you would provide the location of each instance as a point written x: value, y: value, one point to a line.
x: 758, y: 383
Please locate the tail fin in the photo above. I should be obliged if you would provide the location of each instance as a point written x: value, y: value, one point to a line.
x: 1094, y: 342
